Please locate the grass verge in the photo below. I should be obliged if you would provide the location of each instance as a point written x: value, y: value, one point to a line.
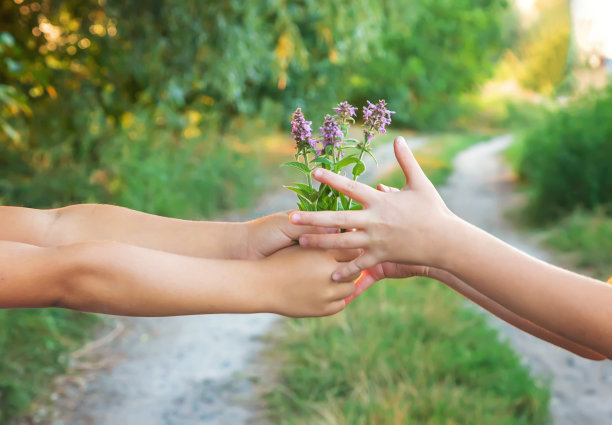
x: 35, y: 346
x: 586, y: 235
x: 408, y: 352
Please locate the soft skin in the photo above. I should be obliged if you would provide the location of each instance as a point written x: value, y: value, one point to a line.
x: 414, y: 227
x: 120, y: 279
x: 86, y: 222
x: 106, y: 259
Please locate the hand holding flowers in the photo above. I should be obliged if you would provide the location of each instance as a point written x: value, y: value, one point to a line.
x: 406, y: 226
x: 333, y: 151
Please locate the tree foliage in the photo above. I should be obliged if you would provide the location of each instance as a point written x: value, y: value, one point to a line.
x: 83, y: 82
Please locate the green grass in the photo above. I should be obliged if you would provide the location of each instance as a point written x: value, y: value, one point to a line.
x: 587, y: 235
x: 584, y: 234
x: 35, y: 346
x: 406, y: 352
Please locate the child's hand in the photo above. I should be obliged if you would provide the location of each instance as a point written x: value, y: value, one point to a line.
x: 299, y: 282
x: 272, y: 233
x: 407, y: 226
x: 387, y: 271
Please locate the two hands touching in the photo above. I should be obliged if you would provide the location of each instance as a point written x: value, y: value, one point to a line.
x: 113, y: 260
x: 107, y: 259
x: 399, y: 232
x: 411, y: 232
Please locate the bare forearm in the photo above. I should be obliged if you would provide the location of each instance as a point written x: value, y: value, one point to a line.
x: 79, y: 223
x: 510, y: 317
x: 31, y: 276
x: 115, y: 278
x: 574, y: 307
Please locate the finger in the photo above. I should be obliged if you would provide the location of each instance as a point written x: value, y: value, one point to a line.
x: 386, y: 189
x: 294, y: 231
x: 358, y: 191
x: 344, y: 255
x: 335, y: 307
x: 344, y: 290
x: 357, y: 239
x: 411, y: 168
x: 355, y: 267
x: 365, y: 281
x: 335, y: 219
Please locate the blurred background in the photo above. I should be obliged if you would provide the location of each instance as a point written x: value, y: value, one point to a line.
x: 182, y: 108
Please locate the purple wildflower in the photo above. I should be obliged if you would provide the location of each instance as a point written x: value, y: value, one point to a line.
x: 345, y: 112
x: 375, y: 118
x: 330, y: 133
x: 300, y: 130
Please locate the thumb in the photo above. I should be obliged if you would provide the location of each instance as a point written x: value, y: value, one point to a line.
x: 352, y: 269
x: 414, y: 175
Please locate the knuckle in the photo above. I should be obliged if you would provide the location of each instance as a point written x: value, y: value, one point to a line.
x: 351, y: 186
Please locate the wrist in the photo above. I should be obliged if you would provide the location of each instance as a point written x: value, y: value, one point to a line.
x: 450, y: 235
x: 239, y: 244
x: 263, y: 285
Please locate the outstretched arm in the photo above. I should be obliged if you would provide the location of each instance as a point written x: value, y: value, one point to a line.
x: 393, y: 270
x: 413, y: 226
x: 86, y: 222
x: 114, y: 278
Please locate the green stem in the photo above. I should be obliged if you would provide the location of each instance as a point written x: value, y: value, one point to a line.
x: 305, y: 155
x: 363, y: 148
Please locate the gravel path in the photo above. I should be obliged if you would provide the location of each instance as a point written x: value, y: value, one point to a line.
x: 480, y: 191
x: 180, y: 370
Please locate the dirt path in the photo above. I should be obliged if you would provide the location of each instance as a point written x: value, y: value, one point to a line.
x: 481, y: 190
x: 180, y: 370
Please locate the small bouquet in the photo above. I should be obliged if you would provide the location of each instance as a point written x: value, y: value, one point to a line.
x: 334, y: 151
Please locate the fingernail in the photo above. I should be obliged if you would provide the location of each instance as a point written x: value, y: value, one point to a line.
x: 331, y: 230
x: 317, y: 172
x: 295, y: 218
x: 384, y: 188
x: 303, y: 240
x: 336, y: 276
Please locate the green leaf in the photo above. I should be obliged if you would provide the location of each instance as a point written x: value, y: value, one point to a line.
x: 298, y: 191
x: 306, y: 203
x: 300, y: 166
x: 345, y: 201
x: 357, y: 206
x: 348, y: 160
x: 372, y: 155
x: 358, y: 169
x: 322, y: 160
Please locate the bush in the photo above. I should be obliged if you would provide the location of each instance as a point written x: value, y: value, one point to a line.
x: 567, y: 160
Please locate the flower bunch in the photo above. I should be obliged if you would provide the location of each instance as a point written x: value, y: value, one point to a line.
x: 335, y: 151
